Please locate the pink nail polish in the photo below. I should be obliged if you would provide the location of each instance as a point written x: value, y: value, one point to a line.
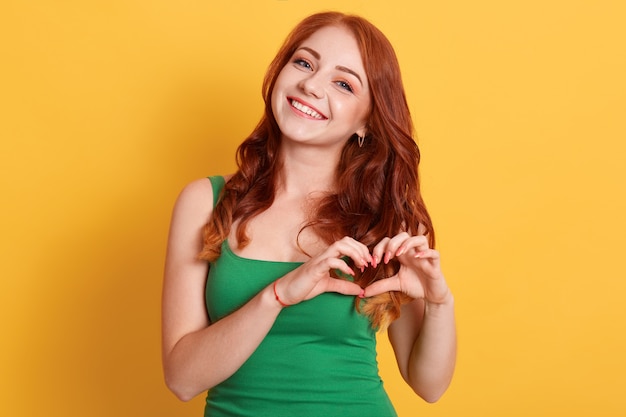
x: 362, y: 294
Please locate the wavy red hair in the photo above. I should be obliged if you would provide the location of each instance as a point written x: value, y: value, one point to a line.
x: 378, y: 189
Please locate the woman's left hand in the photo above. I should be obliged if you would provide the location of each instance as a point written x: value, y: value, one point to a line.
x: 420, y: 273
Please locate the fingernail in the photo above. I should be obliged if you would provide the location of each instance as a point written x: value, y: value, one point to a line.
x: 387, y: 256
x: 418, y: 255
x: 400, y: 250
x: 362, y: 294
x: 374, y: 261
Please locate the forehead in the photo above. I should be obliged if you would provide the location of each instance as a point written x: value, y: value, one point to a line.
x: 338, y: 45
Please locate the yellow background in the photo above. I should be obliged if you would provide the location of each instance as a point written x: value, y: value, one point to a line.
x: 109, y: 107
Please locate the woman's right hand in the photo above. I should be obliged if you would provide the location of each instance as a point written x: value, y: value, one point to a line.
x: 314, y: 277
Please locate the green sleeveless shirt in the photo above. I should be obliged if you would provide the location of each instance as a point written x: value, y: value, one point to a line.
x: 318, y: 360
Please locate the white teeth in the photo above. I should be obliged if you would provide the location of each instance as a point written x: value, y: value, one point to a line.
x: 306, y: 109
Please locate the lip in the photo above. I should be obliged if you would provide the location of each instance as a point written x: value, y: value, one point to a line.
x: 304, y: 103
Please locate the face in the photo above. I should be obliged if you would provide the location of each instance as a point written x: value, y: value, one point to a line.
x: 321, y: 97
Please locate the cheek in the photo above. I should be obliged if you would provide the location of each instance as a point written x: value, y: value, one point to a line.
x: 277, y: 92
x: 363, y: 111
x: 355, y: 113
x: 275, y: 100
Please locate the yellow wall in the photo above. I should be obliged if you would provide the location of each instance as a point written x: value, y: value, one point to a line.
x: 109, y: 107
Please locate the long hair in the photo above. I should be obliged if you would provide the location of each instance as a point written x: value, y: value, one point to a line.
x: 378, y: 190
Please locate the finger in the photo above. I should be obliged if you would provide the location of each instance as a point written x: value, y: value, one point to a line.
x: 354, y: 249
x: 342, y: 286
x: 379, y: 251
x: 393, y: 245
x: 340, y: 264
x: 431, y: 254
x: 415, y: 243
x: 382, y: 286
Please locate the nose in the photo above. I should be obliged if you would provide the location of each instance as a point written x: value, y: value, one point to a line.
x: 312, y: 85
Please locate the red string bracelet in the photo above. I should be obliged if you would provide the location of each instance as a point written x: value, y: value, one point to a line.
x: 278, y: 298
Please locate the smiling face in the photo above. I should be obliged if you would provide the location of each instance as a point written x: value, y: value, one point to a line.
x: 321, y: 96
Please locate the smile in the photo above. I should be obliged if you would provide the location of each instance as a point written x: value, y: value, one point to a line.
x: 306, y: 109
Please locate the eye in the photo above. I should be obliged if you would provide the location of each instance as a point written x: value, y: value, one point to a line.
x: 345, y: 85
x: 303, y: 63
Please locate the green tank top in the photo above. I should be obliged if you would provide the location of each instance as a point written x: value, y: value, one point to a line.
x: 318, y: 360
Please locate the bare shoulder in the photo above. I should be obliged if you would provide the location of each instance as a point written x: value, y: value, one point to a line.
x: 196, y: 200
x: 196, y: 195
x: 193, y: 207
x: 200, y: 188
x: 196, y: 192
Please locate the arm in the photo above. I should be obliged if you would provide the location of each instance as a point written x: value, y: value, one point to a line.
x: 424, y: 337
x: 198, y: 354
x: 424, y: 342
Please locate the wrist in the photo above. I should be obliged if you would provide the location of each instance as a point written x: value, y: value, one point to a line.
x: 446, y: 300
x: 278, y: 298
x: 267, y: 299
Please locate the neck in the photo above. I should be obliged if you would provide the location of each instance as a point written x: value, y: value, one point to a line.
x: 307, y: 171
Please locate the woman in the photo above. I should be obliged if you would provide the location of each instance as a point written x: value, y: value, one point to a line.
x: 318, y: 240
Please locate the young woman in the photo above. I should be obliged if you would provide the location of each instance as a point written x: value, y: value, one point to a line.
x: 278, y: 276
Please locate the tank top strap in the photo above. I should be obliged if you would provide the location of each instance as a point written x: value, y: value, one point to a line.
x: 217, y: 182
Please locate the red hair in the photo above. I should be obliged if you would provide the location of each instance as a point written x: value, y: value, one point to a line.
x: 377, y: 190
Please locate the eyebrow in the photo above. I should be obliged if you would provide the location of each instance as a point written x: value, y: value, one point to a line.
x: 317, y: 56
